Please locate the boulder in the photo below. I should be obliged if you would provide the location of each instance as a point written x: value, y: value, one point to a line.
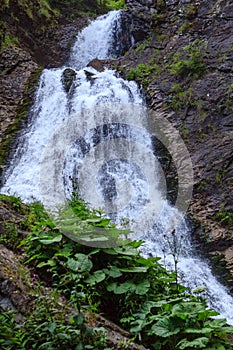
x: 68, y: 77
x: 96, y: 64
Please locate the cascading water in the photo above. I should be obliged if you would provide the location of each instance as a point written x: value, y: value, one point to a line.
x: 98, y: 134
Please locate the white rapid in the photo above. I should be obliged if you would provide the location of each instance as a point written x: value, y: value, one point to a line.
x: 98, y: 134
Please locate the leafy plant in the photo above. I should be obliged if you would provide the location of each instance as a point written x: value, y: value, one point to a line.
x: 224, y: 216
x: 193, y: 65
x: 115, y: 4
x: 141, y: 73
x: 10, y: 336
x: 136, y: 292
x: 185, y: 27
x: 9, y: 41
x: 50, y: 327
x: 88, y: 226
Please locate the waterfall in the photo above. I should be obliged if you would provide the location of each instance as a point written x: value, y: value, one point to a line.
x: 99, y: 133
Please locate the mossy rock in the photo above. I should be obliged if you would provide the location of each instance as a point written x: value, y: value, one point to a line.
x: 68, y: 77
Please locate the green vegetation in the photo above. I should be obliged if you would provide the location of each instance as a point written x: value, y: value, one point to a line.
x: 94, y: 7
x: 142, y: 73
x: 157, y: 19
x: 39, y: 16
x: 137, y: 293
x: 190, y: 11
x: 202, y: 185
x: 140, y: 47
x: 220, y: 268
x: 193, y: 65
x: 6, y: 3
x: 189, y: 64
x: 48, y: 327
x: 45, y: 9
x: 184, y: 27
x: 9, y: 41
x: 115, y: 4
x: 36, y: 15
x: 181, y: 98
x: 224, y: 216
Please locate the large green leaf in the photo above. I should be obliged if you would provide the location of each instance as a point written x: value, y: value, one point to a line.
x: 129, y: 286
x: 150, y: 262
x: 99, y: 221
x: 135, y: 269
x: 138, y: 327
x: 113, y: 271
x: 98, y: 276
x: 110, y: 251
x: 142, y: 287
x: 165, y: 327
x: 199, y: 289
x: 162, y: 302
x: 126, y: 250
x: 47, y: 263
x: 80, y: 264
x: 199, y: 343
x: 79, y: 319
x: 187, y: 310
x: 199, y: 330
x: 122, y: 288
x: 49, y: 240
x: 217, y: 323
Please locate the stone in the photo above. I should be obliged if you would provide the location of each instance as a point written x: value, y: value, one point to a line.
x: 141, y: 15
x: 172, y: 2
x: 14, y: 281
x: 89, y: 75
x: 97, y: 65
x: 68, y: 77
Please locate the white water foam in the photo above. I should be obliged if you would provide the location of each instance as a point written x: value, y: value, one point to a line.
x: 95, y: 41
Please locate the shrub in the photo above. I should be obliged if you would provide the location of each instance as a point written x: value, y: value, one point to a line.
x: 136, y: 292
x: 193, y: 65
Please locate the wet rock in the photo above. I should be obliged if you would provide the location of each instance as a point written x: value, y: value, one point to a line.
x: 90, y: 75
x: 16, y: 69
x: 68, y: 77
x: 141, y: 14
x: 172, y: 2
x: 97, y: 65
x: 122, y: 35
x: 6, y: 304
x: 15, y: 282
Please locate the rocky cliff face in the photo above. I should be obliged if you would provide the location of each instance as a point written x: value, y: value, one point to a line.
x: 184, y: 62
x: 17, y: 69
